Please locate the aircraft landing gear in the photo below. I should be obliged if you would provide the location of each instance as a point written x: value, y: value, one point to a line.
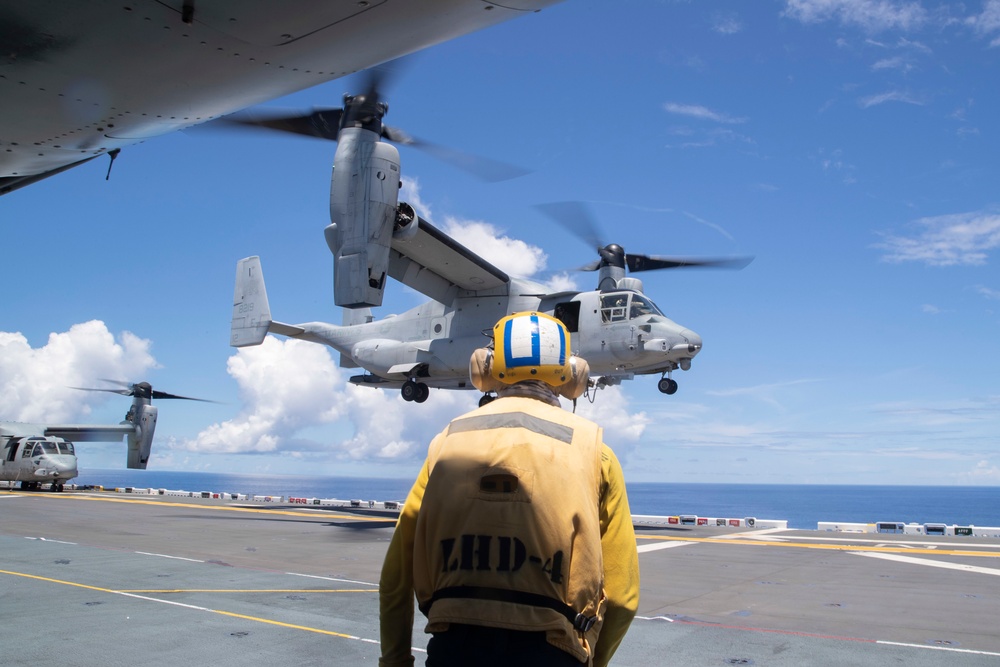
x: 414, y: 391
x: 667, y: 385
x: 486, y: 400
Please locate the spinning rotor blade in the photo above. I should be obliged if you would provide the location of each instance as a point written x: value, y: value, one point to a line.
x: 163, y: 394
x: 142, y: 389
x: 653, y: 263
x: 576, y: 217
x: 364, y: 110
x: 122, y: 392
x: 483, y: 168
x: 320, y: 124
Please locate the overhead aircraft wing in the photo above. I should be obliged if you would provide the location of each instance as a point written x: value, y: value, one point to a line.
x: 89, y: 432
x: 436, y: 265
x: 82, y: 79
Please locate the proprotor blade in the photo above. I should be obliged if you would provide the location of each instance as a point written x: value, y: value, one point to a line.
x: 320, y: 123
x: 576, y: 217
x: 654, y: 263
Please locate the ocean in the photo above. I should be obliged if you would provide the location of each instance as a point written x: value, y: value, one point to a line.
x: 802, y: 506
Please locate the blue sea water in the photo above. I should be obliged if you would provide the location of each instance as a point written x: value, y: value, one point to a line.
x: 803, y: 506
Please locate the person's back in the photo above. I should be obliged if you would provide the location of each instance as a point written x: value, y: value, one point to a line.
x: 513, y: 494
x: 505, y: 533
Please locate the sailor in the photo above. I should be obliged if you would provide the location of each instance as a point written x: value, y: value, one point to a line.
x: 516, y: 537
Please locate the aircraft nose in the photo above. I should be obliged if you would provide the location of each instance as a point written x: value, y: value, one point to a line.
x: 693, y: 339
x: 63, y: 465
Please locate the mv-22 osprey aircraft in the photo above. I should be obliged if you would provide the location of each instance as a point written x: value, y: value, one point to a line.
x: 616, y: 328
x: 35, y: 454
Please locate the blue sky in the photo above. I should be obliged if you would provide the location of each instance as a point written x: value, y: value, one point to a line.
x: 850, y: 146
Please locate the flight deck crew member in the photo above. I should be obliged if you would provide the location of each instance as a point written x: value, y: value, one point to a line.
x: 516, y: 537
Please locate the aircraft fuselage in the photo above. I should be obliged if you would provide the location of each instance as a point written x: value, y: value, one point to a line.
x: 36, y: 459
x: 620, y: 334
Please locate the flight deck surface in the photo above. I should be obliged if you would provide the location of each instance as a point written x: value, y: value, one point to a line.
x: 101, y: 578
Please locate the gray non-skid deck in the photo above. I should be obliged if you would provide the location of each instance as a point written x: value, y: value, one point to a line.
x: 99, y: 578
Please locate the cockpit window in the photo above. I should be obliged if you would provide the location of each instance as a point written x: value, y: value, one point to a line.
x: 641, y: 306
x: 622, y: 306
x: 614, y: 307
x: 37, y: 447
x: 66, y: 448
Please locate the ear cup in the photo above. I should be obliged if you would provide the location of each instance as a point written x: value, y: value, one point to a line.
x: 479, y: 371
x: 578, y: 381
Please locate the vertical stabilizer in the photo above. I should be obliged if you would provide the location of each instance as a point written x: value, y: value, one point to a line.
x: 251, y: 313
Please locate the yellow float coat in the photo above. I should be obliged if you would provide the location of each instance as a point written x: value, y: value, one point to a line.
x: 519, y: 508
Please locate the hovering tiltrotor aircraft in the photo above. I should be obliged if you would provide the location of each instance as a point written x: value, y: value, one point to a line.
x: 616, y: 328
x: 35, y: 454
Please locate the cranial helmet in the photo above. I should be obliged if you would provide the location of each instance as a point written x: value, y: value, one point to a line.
x: 529, y: 346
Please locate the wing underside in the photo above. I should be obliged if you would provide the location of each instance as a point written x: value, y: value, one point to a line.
x: 87, y: 433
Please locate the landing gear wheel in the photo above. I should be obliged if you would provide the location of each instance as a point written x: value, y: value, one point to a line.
x: 667, y: 386
x: 486, y: 400
x: 414, y: 391
x: 408, y: 390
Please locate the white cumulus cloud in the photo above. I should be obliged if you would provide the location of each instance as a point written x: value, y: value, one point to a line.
x: 297, y: 401
x: 946, y: 240
x: 508, y: 254
x: 36, y: 383
x: 869, y: 15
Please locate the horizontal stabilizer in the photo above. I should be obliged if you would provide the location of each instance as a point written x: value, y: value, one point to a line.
x: 285, y: 329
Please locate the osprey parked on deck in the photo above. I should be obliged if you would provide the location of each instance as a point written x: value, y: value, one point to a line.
x: 35, y: 454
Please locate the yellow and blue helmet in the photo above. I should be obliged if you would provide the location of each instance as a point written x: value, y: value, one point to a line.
x: 531, y: 346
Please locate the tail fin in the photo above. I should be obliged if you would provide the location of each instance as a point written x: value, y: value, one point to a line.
x: 143, y: 418
x: 251, y: 313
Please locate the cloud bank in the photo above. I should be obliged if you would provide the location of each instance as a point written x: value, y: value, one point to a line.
x: 36, y: 383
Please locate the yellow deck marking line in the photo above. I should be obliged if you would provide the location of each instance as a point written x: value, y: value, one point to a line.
x: 831, y: 547
x: 165, y: 503
x: 248, y: 590
x: 256, y: 619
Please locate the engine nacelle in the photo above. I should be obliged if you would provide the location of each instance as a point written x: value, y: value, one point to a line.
x: 364, y: 191
x: 407, y: 223
x: 143, y: 417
